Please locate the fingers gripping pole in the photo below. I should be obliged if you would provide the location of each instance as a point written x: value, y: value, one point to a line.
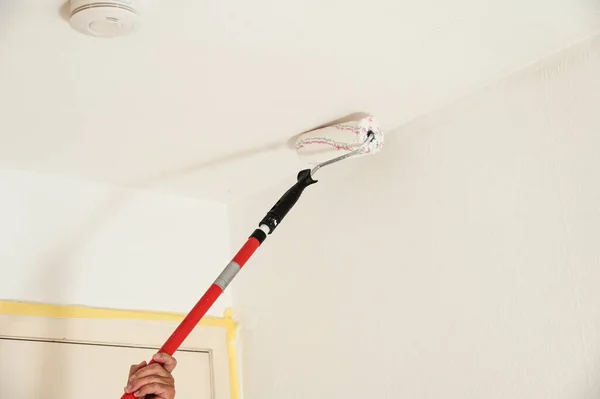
x: 267, y: 225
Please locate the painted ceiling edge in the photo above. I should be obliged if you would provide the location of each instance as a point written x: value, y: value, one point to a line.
x: 227, y: 322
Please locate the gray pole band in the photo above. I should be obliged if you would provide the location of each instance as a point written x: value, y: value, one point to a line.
x: 227, y: 275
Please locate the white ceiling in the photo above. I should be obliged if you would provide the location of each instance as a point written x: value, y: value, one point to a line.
x: 189, y: 102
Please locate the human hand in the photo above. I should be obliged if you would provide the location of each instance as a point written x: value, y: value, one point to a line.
x: 153, y: 381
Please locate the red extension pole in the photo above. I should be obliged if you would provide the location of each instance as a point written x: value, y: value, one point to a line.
x: 267, y: 225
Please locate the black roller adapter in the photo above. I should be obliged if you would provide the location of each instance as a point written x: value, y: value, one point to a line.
x: 287, y: 200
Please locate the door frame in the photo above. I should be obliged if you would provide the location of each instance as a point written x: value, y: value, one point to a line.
x: 226, y: 322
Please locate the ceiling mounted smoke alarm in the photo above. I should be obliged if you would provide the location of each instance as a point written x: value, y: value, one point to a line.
x: 104, y: 18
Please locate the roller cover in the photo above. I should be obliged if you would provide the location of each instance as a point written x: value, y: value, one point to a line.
x: 331, y: 141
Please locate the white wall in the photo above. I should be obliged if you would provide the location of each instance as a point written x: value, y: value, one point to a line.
x: 66, y: 241
x: 461, y: 262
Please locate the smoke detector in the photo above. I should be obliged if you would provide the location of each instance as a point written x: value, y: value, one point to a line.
x: 104, y: 18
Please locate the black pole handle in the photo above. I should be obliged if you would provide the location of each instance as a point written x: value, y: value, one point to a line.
x: 287, y: 200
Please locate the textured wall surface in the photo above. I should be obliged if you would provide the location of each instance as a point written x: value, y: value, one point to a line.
x: 461, y: 262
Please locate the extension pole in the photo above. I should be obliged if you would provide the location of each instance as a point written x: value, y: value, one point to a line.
x: 267, y: 226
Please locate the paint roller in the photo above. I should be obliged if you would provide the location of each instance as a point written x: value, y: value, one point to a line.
x: 320, y: 147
